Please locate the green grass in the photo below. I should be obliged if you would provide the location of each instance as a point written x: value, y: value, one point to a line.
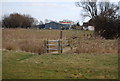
x: 18, y: 65
x: 0, y: 64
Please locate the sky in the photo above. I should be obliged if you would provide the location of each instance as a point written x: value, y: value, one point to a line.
x: 56, y: 10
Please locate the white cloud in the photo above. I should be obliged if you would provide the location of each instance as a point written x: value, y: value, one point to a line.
x: 52, y: 5
x: 40, y: 0
x: 44, y: 10
x: 49, y: 0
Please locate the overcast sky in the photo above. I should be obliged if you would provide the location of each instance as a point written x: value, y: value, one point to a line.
x: 44, y: 9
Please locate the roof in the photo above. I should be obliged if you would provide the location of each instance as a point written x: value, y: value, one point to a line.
x: 52, y: 22
x: 65, y: 22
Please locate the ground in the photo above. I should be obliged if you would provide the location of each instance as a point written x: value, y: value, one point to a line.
x: 21, y: 65
x: 93, y: 58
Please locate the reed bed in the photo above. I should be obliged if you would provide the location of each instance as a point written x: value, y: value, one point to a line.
x: 32, y: 40
x: 98, y: 46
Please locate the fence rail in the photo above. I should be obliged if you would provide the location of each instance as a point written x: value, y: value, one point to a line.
x: 52, y: 49
x: 53, y: 45
x: 53, y: 40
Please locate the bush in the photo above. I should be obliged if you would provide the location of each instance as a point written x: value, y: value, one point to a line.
x: 16, y: 20
x: 106, y: 27
x: 31, y: 46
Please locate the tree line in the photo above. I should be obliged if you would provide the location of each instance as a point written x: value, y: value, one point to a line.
x: 103, y: 16
x: 16, y: 20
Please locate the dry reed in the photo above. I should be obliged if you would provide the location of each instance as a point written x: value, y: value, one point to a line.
x: 31, y: 40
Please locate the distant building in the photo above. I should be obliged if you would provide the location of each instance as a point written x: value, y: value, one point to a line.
x: 91, y: 28
x: 42, y: 26
x: 66, y: 24
x: 88, y: 26
x: 53, y: 25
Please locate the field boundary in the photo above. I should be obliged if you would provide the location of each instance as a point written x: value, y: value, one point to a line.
x: 53, y: 45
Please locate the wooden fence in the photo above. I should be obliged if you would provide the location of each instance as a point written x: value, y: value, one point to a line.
x: 53, y: 45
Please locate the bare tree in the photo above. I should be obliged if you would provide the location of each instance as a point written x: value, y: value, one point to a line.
x: 89, y: 6
x: 93, y: 8
x: 103, y: 16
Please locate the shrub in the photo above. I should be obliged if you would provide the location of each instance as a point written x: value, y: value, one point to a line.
x: 32, y: 46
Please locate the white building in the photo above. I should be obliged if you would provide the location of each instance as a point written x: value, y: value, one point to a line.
x: 91, y: 28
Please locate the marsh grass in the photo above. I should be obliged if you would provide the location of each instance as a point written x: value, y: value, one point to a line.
x: 32, y: 40
x: 98, y: 46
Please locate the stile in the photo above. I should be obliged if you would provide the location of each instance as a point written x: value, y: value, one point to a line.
x: 57, y: 44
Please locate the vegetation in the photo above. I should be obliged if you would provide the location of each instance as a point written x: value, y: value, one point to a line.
x: 103, y: 16
x: 0, y: 64
x: 98, y: 46
x: 19, y: 65
x: 33, y: 41
x: 92, y: 57
x: 16, y: 20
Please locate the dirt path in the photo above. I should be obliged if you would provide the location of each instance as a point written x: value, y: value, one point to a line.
x: 66, y: 49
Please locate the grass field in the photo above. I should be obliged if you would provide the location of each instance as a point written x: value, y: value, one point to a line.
x: 93, y: 58
x: 19, y: 65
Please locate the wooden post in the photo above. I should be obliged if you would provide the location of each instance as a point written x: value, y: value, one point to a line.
x: 47, y: 46
x: 61, y: 50
x: 59, y: 46
x: 60, y: 34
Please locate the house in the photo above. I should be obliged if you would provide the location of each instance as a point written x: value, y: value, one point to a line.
x: 85, y: 26
x: 88, y: 26
x: 91, y: 28
x: 53, y: 25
